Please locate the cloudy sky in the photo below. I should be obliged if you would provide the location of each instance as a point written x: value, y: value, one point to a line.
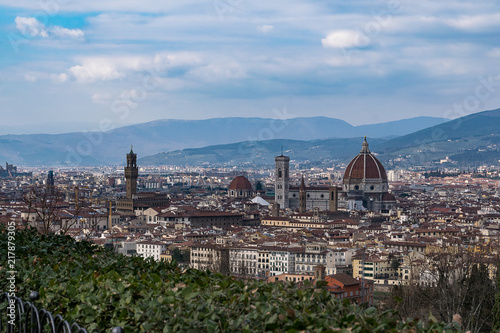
x: 125, y: 61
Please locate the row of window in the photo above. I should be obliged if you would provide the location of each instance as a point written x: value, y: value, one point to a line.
x: 245, y: 256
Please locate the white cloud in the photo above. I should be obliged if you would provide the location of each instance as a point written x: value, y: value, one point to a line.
x: 495, y: 53
x: 59, y: 78
x: 218, y: 71
x: 266, y: 28
x: 345, y: 39
x: 475, y: 22
x: 164, y: 61
x: 96, y: 70
x: 30, y: 78
x: 66, y: 33
x: 101, y: 98
x: 344, y: 61
x: 30, y: 26
x: 106, y: 68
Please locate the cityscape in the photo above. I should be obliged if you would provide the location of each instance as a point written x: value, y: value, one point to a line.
x: 361, y: 228
x: 235, y: 166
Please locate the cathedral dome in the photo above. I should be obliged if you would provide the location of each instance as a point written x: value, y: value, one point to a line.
x: 365, y: 166
x: 240, y: 183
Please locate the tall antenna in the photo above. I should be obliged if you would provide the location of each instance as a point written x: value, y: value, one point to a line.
x: 281, y: 150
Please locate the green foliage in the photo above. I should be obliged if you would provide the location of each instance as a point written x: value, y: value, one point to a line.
x: 440, y: 174
x: 101, y: 289
x: 496, y: 306
x: 181, y: 256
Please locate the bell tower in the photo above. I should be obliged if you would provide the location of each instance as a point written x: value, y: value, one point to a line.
x: 131, y: 173
x: 302, y: 197
x: 282, y: 180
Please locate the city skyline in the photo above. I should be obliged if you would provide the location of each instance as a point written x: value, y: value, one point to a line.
x: 368, y: 62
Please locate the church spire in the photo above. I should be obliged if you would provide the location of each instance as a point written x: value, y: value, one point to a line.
x: 302, y: 184
x: 365, y: 148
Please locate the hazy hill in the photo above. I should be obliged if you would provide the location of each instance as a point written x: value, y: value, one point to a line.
x: 398, y: 127
x: 168, y: 135
x: 262, y: 152
x: 471, y: 140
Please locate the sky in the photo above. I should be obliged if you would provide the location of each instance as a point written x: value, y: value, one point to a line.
x: 100, y: 64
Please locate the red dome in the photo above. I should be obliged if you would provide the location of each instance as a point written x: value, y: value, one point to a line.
x: 365, y: 166
x: 240, y: 183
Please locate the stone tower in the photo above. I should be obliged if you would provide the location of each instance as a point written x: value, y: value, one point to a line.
x: 333, y: 202
x: 131, y: 173
x: 282, y: 180
x: 302, y: 197
x: 50, y: 182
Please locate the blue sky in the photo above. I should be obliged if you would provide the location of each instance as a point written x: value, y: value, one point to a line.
x: 122, y: 62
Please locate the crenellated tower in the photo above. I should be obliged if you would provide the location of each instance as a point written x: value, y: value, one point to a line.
x: 131, y: 173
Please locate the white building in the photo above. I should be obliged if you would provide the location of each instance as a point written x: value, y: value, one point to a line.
x: 147, y: 249
x: 243, y: 261
x: 309, y: 257
x: 281, y: 260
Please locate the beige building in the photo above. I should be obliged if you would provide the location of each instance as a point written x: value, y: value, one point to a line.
x: 210, y: 256
x: 373, y: 269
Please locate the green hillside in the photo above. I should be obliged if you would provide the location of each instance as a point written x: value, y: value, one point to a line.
x: 469, y: 141
x: 101, y: 289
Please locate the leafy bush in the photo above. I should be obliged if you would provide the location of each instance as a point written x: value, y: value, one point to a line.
x: 101, y: 289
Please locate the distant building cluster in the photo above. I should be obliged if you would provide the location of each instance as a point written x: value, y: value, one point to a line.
x: 355, y: 227
x: 11, y: 171
x: 364, y: 187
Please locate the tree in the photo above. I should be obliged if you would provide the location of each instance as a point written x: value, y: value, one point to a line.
x: 452, y: 280
x: 45, y: 210
x: 181, y: 256
x: 395, y: 265
x: 496, y: 307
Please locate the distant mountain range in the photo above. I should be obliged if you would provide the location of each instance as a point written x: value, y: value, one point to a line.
x: 97, y: 148
x: 472, y: 140
x: 468, y: 141
x: 257, y: 153
x: 53, y: 127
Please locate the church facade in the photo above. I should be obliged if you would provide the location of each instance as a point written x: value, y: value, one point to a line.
x: 364, y: 187
x: 302, y: 198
